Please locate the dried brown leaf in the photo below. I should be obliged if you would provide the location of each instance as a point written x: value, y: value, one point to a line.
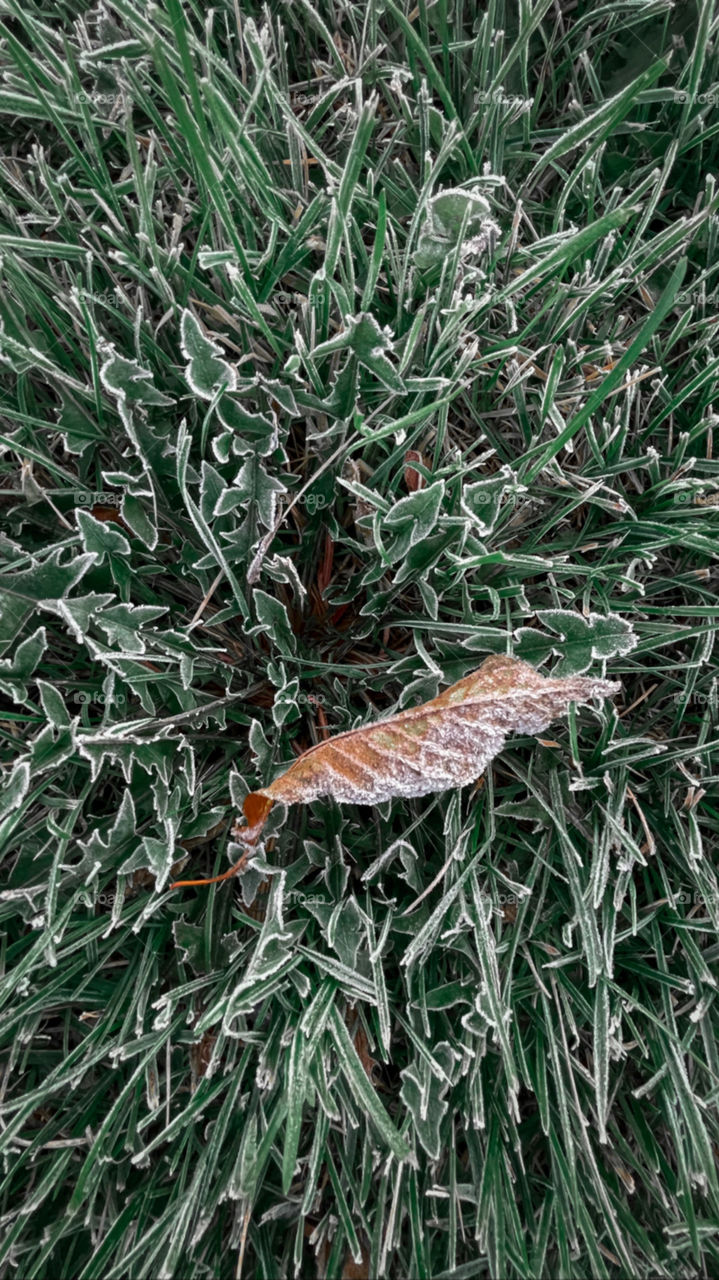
x: 440, y: 744
x: 443, y: 743
x: 412, y: 477
x: 200, y: 1055
x: 353, y: 1270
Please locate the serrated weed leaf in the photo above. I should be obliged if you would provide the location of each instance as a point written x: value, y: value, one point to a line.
x: 205, y: 372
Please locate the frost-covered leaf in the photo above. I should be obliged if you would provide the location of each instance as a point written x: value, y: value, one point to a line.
x: 245, y: 431
x: 430, y: 599
x: 191, y: 941
x: 282, y: 569
x: 48, y: 578
x: 424, y: 1099
x: 101, y: 537
x: 285, y: 706
x: 155, y: 755
x: 343, y: 395
x: 123, y: 624
x: 370, y: 344
x: 532, y: 645
x: 583, y: 638
x: 206, y: 371
x: 438, y: 745
x: 259, y: 746
x: 101, y: 848
x: 15, y: 671
x: 255, y: 493
x: 126, y: 380
x: 254, y: 487
x: 159, y: 855
x: 481, y: 501
x: 346, y: 932
x: 413, y: 518
x: 14, y: 613
x: 273, y: 619
x: 212, y: 486
x: 79, y: 432
x: 367, y: 1099
x: 53, y: 705
x: 282, y: 393
x: 77, y: 612
x: 51, y: 746
x: 446, y: 214
x: 15, y: 789
x: 448, y: 209
x: 138, y: 521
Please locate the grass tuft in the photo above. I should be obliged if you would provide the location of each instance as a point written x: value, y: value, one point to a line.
x: 342, y: 345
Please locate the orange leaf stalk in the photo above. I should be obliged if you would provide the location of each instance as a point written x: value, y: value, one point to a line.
x: 255, y: 809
